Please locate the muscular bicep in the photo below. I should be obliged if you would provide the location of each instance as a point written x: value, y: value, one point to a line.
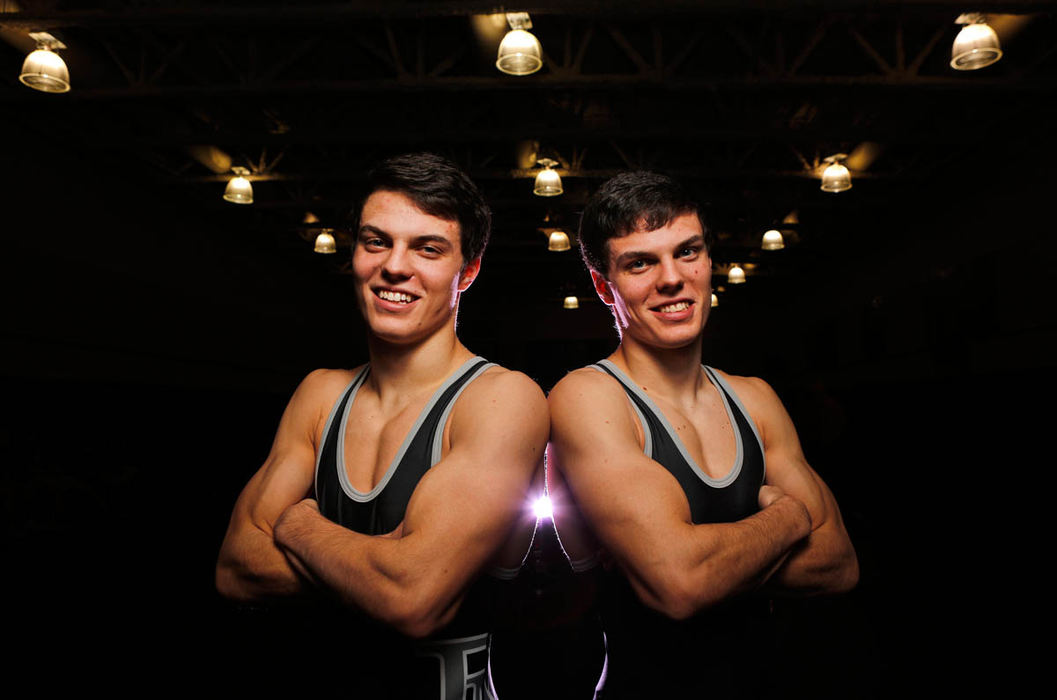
x: 250, y: 565
x: 636, y: 509
x: 787, y: 468
x: 579, y: 543
x: 463, y: 510
x: 825, y: 560
x: 285, y: 478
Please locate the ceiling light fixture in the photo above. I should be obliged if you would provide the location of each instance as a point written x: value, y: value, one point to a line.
x: 519, y: 51
x: 836, y: 178
x: 715, y: 300
x: 44, y: 69
x: 571, y: 302
x: 239, y: 189
x: 976, y: 45
x: 736, y: 275
x: 772, y: 240
x: 548, y: 182
x: 558, y: 241
x: 325, y: 244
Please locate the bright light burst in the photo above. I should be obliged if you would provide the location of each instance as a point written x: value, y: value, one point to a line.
x: 543, y: 508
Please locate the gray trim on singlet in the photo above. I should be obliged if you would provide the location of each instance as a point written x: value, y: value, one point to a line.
x: 354, y: 385
x: 739, y: 455
x: 585, y: 563
x: 716, y: 377
x: 438, y: 439
x: 343, y: 477
x: 647, y: 449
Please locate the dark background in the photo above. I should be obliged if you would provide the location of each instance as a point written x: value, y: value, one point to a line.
x: 152, y: 333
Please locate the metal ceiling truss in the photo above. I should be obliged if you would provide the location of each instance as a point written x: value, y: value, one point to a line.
x: 697, y: 53
x: 737, y: 96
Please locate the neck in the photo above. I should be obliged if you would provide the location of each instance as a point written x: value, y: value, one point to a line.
x: 671, y: 372
x: 403, y: 368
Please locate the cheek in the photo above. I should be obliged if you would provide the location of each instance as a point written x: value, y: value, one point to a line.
x: 362, y: 266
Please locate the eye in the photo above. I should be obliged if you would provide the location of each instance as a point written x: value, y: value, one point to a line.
x: 637, y: 264
x: 689, y: 252
x: 372, y: 243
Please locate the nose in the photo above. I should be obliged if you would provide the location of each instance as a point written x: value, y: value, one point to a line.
x: 669, y: 279
x: 397, y: 265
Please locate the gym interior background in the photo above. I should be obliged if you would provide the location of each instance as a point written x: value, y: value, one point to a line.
x: 153, y: 332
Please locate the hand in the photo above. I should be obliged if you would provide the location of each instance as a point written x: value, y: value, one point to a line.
x: 293, y: 515
x: 768, y: 495
x: 396, y: 534
x: 286, y: 530
x: 772, y: 495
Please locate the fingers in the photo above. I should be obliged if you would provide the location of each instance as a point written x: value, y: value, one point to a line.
x: 769, y: 494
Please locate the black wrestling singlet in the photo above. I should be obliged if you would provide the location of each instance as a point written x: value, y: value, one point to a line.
x: 721, y: 652
x: 451, y: 664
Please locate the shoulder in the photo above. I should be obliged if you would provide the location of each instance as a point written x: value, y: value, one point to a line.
x: 500, y: 394
x: 504, y: 386
x: 500, y: 412
x: 323, y: 385
x: 752, y: 391
x: 316, y: 394
x: 584, y: 386
x: 763, y: 404
x: 328, y: 379
x: 589, y: 407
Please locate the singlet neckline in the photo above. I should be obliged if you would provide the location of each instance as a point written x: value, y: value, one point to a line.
x: 352, y: 389
x: 716, y: 381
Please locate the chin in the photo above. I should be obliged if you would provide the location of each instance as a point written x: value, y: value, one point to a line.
x: 675, y: 338
x: 673, y: 343
x: 396, y: 333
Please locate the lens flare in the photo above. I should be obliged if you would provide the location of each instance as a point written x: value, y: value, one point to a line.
x: 543, y: 508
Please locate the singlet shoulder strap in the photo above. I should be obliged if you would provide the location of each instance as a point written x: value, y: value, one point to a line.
x: 634, y: 397
x: 336, y: 412
x: 469, y: 371
x: 730, y: 398
x: 444, y: 396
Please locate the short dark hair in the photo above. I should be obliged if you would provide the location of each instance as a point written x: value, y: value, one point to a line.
x: 439, y: 188
x: 630, y: 202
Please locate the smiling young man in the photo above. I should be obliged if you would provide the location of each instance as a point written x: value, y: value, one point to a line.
x: 691, y: 480
x: 390, y: 487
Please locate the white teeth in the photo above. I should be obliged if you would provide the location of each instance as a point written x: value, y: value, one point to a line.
x: 672, y: 308
x: 399, y: 297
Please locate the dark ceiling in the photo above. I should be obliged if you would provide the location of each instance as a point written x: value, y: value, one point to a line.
x: 741, y: 99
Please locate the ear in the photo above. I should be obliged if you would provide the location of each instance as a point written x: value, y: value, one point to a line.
x: 469, y: 273
x: 602, y: 287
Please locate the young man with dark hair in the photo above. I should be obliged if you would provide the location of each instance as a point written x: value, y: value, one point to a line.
x: 692, y: 480
x: 391, y: 487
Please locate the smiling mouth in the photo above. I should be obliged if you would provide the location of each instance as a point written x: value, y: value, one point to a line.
x: 673, y: 307
x: 394, y: 297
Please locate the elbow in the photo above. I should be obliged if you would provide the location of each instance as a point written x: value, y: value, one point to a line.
x: 240, y: 581
x: 840, y: 576
x: 226, y: 583
x: 677, y: 597
x: 417, y: 627
x: 418, y: 614
x: 677, y: 609
x: 847, y: 576
x: 229, y: 584
x: 418, y: 624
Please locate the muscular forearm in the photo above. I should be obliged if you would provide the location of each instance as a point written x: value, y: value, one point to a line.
x: 362, y: 571
x: 251, y: 568
x: 824, y: 562
x: 732, y: 558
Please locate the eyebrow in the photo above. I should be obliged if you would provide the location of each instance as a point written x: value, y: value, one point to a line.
x: 418, y: 240
x: 632, y: 254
